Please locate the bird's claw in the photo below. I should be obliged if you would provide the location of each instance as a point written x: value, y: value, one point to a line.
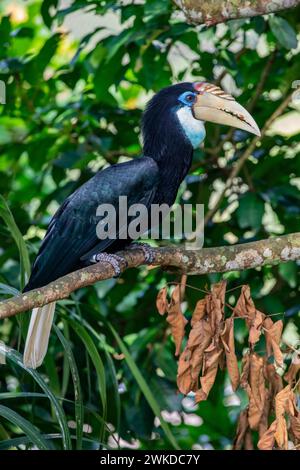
x: 148, y: 252
x: 114, y: 260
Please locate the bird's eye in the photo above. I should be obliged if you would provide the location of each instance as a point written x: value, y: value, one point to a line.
x: 187, y: 98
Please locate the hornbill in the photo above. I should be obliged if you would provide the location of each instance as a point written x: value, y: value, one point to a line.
x: 172, y: 127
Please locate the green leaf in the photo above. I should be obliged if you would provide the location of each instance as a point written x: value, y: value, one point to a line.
x: 17, y: 359
x: 284, y: 33
x: 5, y: 289
x: 115, y: 389
x: 45, y: 11
x: 5, y: 29
x: 66, y: 365
x: 79, y: 412
x: 157, y: 7
x: 12, y: 130
x: 35, y: 68
x: 96, y: 359
x: 288, y: 272
x: 9, y: 395
x: 28, y: 429
x: 250, y: 211
x: 8, y: 218
x: 24, y: 32
x: 145, y: 389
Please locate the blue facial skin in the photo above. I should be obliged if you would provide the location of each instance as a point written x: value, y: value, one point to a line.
x: 193, y: 128
x: 187, y: 98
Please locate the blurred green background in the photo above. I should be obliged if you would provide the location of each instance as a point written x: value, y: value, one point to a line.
x: 78, y: 74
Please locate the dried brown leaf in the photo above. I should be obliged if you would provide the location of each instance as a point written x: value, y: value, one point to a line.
x: 242, y: 427
x: 190, y: 361
x: 199, y: 339
x: 199, y: 312
x: 210, y: 369
x: 161, y: 301
x: 176, y: 319
x: 292, y: 405
x: 268, y: 323
x: 264, y: 420
x: 176, y: 295
x: 267, y: 440
x: 245, y: 307
x: 244, y: 382
x: 273, y: 337
x: 184, y: 378
x: 200, y: 395
x: 281, y: 435
x: 283, y: 401
x: 255, y: 326
x: 248, y: 445
x: 274, y: 379
x: 256, y: 391
x: 222, y: 361
x: 218, y: 291
x: 229, y: 347
x: 291, y: 374
x: 215, y: 302
x: 295, y: 426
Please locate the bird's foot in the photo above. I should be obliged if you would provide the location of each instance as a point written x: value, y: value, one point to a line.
x: 114, y: 260
x: 148, y: 252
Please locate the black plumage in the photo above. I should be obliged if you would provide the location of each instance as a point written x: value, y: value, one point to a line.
x: 155, y: 177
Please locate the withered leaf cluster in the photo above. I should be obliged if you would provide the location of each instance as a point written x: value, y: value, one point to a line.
x: 209, y: 347
x: 258, y: 323
x: 271, y: 410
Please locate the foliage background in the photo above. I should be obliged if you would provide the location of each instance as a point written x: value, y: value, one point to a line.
x: 74, y: 106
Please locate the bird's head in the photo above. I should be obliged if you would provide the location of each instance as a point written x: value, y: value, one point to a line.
x: 186, y: 106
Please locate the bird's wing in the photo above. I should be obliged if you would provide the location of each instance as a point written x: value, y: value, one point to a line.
x: 72, y: 231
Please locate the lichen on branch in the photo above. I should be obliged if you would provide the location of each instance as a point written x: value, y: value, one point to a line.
x: 211, y: 12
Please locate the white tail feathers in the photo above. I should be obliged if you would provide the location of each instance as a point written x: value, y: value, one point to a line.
x: 38, y: 335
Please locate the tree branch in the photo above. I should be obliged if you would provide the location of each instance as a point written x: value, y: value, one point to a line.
x: 208, y: 260
x: 211, y: 12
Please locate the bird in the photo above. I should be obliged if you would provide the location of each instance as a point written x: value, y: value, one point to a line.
x: 173, y: 126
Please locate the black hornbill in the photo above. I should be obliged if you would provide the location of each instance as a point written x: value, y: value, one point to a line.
x: 172, y: 126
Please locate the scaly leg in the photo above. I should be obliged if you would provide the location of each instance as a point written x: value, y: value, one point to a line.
x: 115, y: 261
x: 149, y: 254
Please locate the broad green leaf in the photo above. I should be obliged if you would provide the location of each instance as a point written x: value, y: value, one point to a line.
x: 288, y: 271
x: 12, y: 130
x: 250, y: 211
x: 46, y: 7
x: 284, y: 33
x: 28, y: 429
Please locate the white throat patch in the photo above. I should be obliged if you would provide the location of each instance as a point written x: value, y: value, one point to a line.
x: 193, y: 128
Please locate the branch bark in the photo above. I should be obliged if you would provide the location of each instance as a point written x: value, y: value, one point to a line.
x: 211, y: 12
x: 208, y: 260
